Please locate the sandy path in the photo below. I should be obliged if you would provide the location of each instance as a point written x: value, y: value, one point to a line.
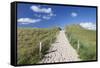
x: 60, y: 51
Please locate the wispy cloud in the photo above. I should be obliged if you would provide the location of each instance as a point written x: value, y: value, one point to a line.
x: 41, y: 10
x: 46, y: 17
x: 88, y: 25
x: 48, y: 12
x: 37, y: 15
x: 51, y: 14
x: 28, y: 20
x: 74, y: 14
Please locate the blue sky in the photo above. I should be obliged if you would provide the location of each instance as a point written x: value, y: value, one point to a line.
x: 44, y: 16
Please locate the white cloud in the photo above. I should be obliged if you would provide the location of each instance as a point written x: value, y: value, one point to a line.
x: 28, y: 20
x: 41, y: 10
x: 48, y: 13
x: 73, y: 14
x: 46, y: 17
x: 88, y: 25
x: 37, y: 15
x: 51, y: 14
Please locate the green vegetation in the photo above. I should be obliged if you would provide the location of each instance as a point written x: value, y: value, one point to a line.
x: 28, y: 43
x: 87, y: 41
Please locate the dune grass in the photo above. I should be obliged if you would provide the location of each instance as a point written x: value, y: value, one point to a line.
x: 28, y: 43
x: 87, y: 41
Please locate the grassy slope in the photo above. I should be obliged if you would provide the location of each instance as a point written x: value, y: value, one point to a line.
x: 28, y: 43
x: 87, y: 39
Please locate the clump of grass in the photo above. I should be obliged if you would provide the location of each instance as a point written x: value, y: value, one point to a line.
x: 87, y: 41
x: 28, y: 43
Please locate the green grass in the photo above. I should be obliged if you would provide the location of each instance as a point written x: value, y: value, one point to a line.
x: 87, y: 41
x: 28, y: 43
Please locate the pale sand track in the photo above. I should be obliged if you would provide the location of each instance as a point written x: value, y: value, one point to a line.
x: 61, y: 51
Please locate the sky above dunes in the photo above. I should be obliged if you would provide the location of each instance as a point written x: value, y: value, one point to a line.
x: 44, y: 16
